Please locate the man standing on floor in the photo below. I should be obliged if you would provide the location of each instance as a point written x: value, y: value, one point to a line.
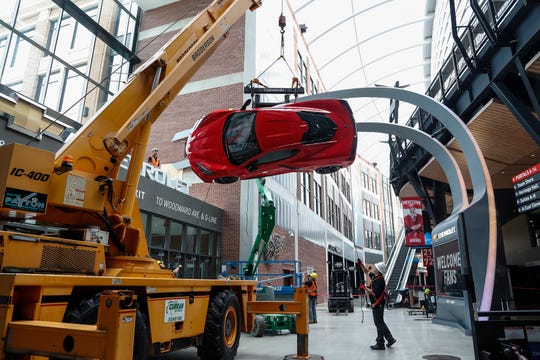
x: 311, y: 285
x: 377, y: 294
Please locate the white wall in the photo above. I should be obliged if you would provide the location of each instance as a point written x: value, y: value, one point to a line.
x: 517, y: 245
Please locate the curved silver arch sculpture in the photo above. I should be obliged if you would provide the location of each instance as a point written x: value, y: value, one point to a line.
x: 483, y: 195
x: 435, y: 148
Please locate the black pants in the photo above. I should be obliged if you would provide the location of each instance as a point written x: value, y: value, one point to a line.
x: 382, y: 330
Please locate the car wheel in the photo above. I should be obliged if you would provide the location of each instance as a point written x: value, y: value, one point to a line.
x: 226, y: 180
x: 258, y: 326
x: 328, y: 169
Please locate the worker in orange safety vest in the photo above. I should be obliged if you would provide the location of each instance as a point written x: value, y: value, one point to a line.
x: 311, y: 285
x: 153, y: 158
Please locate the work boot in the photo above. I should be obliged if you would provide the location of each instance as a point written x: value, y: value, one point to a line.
x: 391, y: 342
x: 377, y: 346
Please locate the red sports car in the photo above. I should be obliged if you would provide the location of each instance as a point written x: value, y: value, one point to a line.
x: 230, y: 145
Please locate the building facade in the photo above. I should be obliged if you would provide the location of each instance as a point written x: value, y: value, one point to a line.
x: 84, y: 51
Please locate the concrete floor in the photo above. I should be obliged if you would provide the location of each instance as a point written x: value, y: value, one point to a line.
x: 337, y: 337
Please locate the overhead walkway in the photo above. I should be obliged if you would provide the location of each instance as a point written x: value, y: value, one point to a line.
x: 488, y: 81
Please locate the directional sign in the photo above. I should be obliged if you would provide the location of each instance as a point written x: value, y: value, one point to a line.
x: 527, y: 189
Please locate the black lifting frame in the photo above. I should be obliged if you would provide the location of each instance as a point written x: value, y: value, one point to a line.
x: 256, y: 92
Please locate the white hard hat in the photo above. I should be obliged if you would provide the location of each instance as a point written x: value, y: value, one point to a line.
x: 381, y: 267
x: 154, y: 149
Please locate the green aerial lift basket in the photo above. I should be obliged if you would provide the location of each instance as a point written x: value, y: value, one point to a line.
x: 272, y: 323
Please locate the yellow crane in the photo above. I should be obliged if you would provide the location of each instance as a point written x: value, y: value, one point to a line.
x: 79, y: 283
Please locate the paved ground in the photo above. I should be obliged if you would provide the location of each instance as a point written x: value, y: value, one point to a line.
x: 341, y: 337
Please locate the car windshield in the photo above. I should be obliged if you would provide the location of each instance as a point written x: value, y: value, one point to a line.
x: 320, y: 127
x: 239, y: 137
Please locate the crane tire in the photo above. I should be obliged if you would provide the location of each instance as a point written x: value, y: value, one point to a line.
x: 87, y: 313
x: 222, y: 328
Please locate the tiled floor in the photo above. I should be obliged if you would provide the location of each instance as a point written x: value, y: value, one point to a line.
x: 340, y: 337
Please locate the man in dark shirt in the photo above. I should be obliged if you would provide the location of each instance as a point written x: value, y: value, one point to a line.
x: 377, y: 294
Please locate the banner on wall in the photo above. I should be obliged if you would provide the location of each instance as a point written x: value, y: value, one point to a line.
x: 413, y: 221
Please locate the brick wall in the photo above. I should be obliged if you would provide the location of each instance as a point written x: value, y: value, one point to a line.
x: 186, y: 109
x: 309, y: 254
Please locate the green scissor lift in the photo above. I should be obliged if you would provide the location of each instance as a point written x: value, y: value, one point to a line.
x: 268, y: 322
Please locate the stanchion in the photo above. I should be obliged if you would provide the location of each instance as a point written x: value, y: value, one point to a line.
x: 302, y: 329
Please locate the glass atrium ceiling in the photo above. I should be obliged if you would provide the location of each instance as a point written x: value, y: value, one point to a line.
x: 363, y: 43
x: 369, y: 43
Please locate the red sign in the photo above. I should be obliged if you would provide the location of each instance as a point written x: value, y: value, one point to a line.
x: 427, y: 257
x: 413, y: 221
x: 525, y: 174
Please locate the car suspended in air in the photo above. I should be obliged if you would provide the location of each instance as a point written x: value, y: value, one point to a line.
x: 230, y: 145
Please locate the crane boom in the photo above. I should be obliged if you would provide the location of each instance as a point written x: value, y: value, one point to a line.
x: 123, y: 125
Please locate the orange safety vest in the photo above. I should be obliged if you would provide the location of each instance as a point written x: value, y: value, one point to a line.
x: 312, y: 289
x: 153, y: 160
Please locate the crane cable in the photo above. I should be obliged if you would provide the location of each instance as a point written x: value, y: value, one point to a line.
x: 282, y: 22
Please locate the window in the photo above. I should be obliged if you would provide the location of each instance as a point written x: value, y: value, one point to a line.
x: 332, y: 212
x: 191, y: 240
x: 158, y: 232
x: 48, y: 89
x: 377, y: 241
x: 338, y: 217
x: 16, y: 60
x: 240, y: 140
x: 207, y: 242
x: 373, y: 184
x: 306, y: 189
x: 318, y: 198
x: 63, y: 90
x: 320, y: 127
x: 365, y: 182
x: 198, y: 254
x: 3, y: 47
x: 73, y: 92
x: 366, y: 208
x: 304, y: 74
x: 66, y: 34
x: 300, y: 67
x: 49, y: 40
x: 176, y: 236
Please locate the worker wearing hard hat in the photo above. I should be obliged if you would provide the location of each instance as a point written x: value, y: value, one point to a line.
x: 377, y: 295
x: 311, y: 285
x: 154, y: 159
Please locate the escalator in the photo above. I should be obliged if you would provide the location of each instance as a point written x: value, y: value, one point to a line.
x: 400, y: 267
